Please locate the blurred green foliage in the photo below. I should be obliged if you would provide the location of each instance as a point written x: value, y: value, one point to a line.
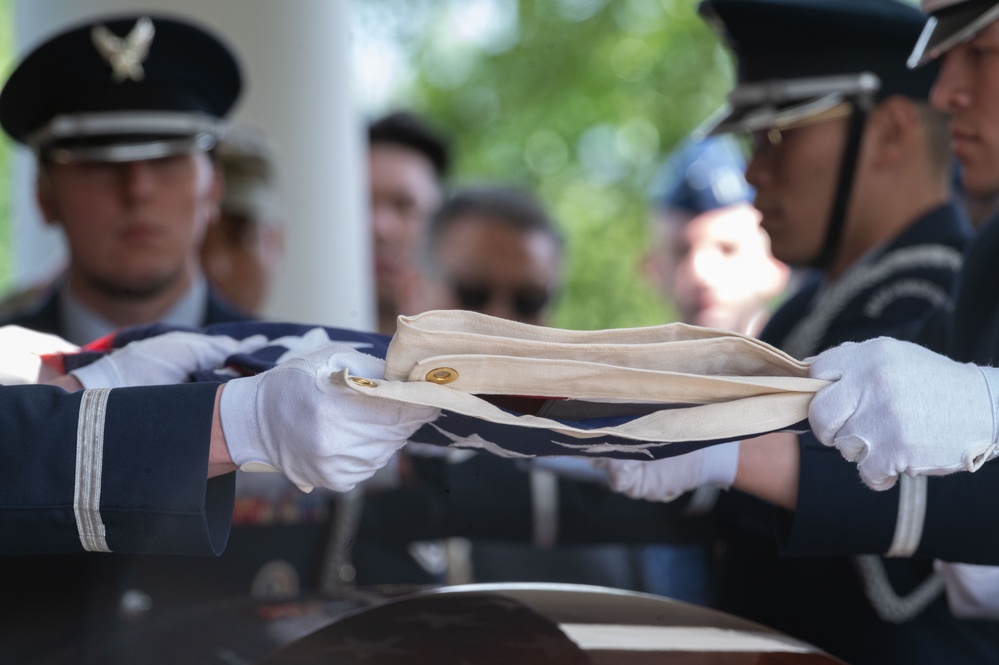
x: 580, y: 102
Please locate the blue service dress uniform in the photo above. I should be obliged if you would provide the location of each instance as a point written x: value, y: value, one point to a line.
x: 947, y: 517
x: 72, y: 603
x: 55, y: 454
x: 951, y: 518
x: 864, y: 609
x: 56, y: 449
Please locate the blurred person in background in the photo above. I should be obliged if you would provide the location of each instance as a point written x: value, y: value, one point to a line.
x: 244, y: 247
x: 493, y: 250
x: 408, y: 163
x: 708, y: 254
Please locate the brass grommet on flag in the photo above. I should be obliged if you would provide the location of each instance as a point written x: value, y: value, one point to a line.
x: 442, y: 375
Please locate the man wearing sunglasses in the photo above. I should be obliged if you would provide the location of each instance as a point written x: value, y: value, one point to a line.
x: 851, y: 172
x: 492, y: 250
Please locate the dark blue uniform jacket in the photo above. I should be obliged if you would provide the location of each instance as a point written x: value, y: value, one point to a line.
x: 867, y: 609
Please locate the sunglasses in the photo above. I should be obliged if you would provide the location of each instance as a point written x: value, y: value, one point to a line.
x: 526, y: 301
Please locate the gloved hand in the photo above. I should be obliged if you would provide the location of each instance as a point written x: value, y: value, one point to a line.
x: 301, y: 419
x: 895, y: 407
x: 164, y: 359
x: 666, y: 479
x: 21, y: 352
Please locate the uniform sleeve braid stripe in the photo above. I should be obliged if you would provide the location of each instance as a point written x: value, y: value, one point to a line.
x: 89, y: 469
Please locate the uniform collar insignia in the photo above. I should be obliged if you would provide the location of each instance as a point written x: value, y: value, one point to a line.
x: 125, y: 54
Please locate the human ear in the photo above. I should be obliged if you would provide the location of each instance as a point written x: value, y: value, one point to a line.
x: 891, y: 131
x: 45, y: 196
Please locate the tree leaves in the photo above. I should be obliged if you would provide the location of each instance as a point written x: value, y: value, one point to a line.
x: 580, y: 104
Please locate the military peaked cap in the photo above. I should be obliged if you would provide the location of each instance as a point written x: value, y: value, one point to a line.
x: 120, y: 89
x: 798, y: 58
x: 704, y: 175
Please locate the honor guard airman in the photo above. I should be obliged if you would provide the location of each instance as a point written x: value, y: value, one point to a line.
x: 123, y: 114
x: 851, y: 173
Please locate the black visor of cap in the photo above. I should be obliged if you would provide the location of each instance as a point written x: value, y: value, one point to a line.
x: 951, y: 26
x: 781, y: 103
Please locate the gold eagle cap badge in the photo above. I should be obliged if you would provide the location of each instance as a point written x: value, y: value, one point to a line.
x: 125, y: 54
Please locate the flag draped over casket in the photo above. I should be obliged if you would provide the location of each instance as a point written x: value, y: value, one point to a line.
x: 517, y: 390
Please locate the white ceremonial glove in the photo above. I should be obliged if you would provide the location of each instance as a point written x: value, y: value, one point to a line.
x: 666, y: 479
x: 21, y: 352
x: 972, y: 590
x: 300, y: 419
x: 895, y: 407
x: 165, y: 359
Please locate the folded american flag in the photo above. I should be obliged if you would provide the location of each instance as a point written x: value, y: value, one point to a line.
x: 532, y: 427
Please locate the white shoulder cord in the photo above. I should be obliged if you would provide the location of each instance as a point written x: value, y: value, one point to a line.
x: 802, y: 341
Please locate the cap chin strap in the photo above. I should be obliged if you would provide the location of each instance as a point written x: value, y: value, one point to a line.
x: 844, y: 187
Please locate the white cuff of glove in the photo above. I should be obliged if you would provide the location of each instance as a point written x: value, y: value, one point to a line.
x: 238, y: 403
x: 974, y: 459
x: 721, y: 463
x: 666, y: 479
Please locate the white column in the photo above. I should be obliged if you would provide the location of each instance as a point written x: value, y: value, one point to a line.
x: 297, y: 71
